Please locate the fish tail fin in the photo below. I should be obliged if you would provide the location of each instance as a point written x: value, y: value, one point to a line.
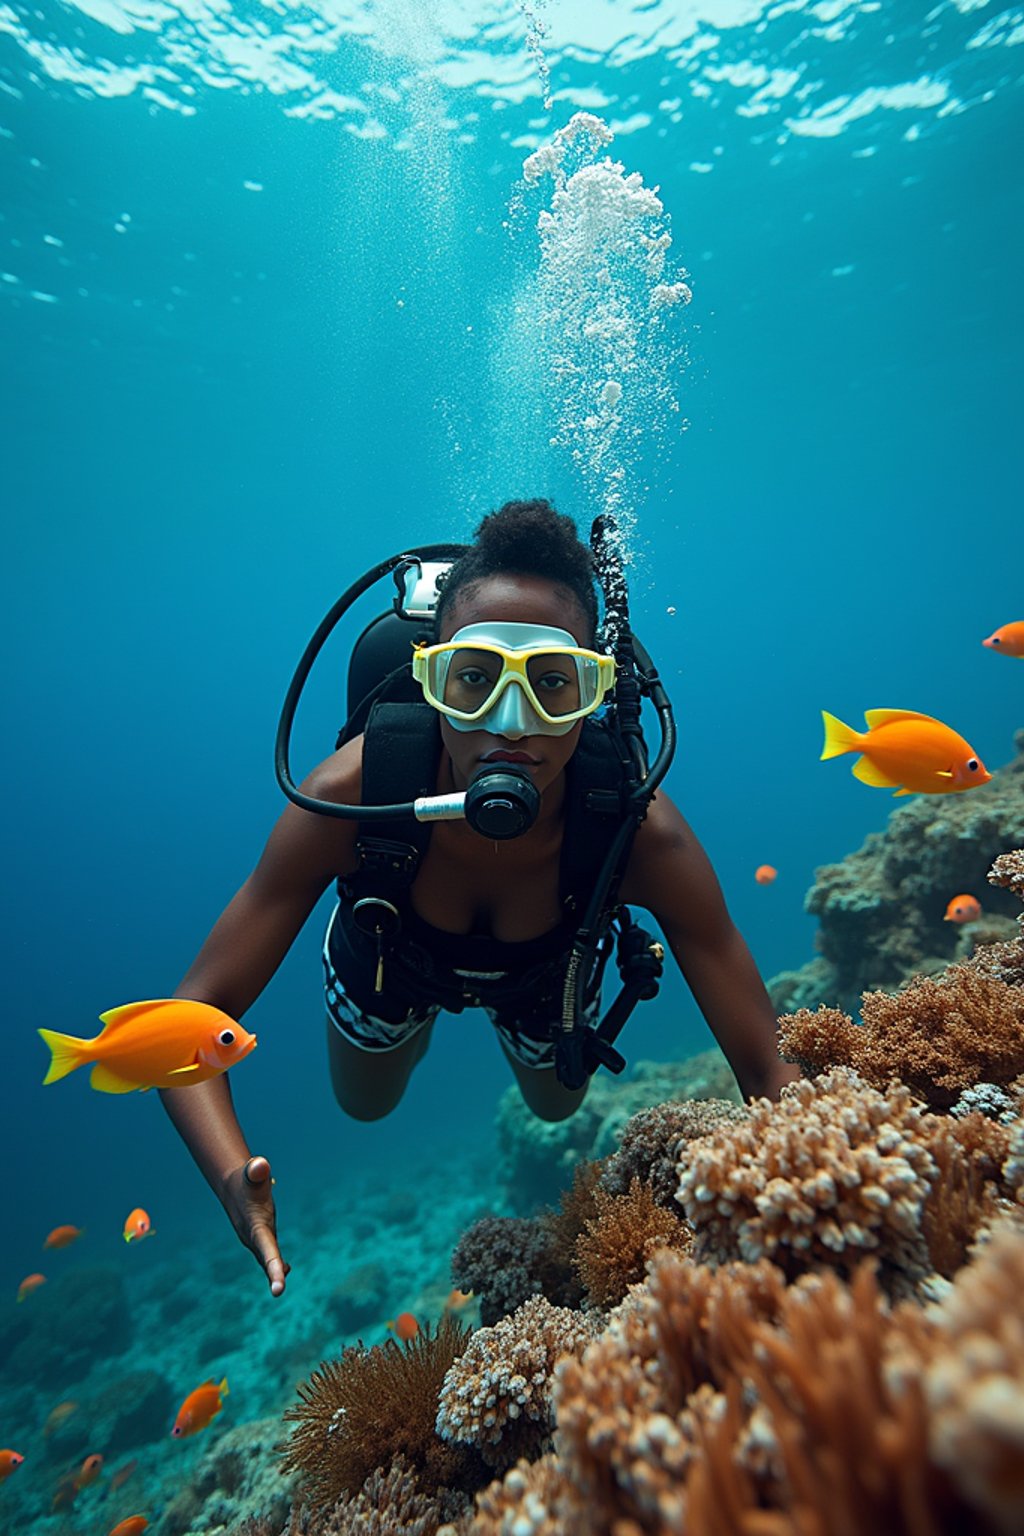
x: 223, y: 1388
x: 839, y: 738
x: 66, y: 1053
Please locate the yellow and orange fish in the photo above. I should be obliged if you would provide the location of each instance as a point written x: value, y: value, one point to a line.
x: 57, y: 1416
x: 63, y: 1237
x: 89, y: 1471
x: 137, y: 1226
x: 133, y: 1526
x: 764, y: 874
x: 1008, y: 638
x: 963, y: 909
x: 910, y: 753
x: 404, y: 1326
x: 121, y: 1476
x: 199, y: 1408
x: 29, y: 1284
x: 458, y: 1301
x: 10, y: 1461
x: 165, y: 1043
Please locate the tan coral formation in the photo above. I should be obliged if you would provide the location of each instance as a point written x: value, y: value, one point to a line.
x: 781, y: 1376
x: 497, y: 1396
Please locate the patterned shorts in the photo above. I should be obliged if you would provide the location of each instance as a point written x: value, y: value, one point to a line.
x: 368, y: 1033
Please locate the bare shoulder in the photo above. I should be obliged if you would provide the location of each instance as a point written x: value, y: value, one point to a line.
x: 669, y: 872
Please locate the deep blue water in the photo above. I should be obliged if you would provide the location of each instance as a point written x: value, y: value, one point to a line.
x: 248, y: 352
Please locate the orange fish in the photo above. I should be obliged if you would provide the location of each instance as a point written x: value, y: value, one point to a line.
x: 199, y: 1408
x: 907, y: 752
x: 88, y: 1472
x: 29, y: 1284
x: 57, y: 1416
x: 137, y: 1226
x: 130, y: 1527
x: 121, y: 1476
x: 458, y: 1301
x: 404, y: 1326
x: 165, y: 1043
x: 963, y: 909
x: 10, y: 1461
x: 63, y: 1237
x: 764, y: 874
x: 1008, y: 638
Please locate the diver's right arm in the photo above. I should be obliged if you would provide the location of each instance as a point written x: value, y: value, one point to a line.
x: 304, y: 854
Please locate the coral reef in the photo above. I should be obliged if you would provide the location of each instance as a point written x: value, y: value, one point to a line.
x: 504, y: 1260
x: 537, y: 1157
x: 940, y: 1035
x: 239, y: 1473
x: 358, y: 1413
x: 497, y: 1395
x: 611, y: 1252
x: 390, y: 1503
x: 78, y: 1319
x: 880, y: 910
x: 649, y: 1144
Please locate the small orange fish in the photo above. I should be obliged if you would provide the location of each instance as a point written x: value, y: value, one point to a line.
x: 137, y: 1226
x: 10, y: 1461
x: 63, y: 1237
x: 404, y: 1326
x: 88, y: 1472
x: 130, y: 1527
x: 165, y: 1043
x: 963, y: 909
x: 121, y: 1476
x: 910, y: 753
x: 764, y: 874
x: 1008, y: 638
x: 29, y: 1284
x: 199, y: 1408
x: 458, y: 1301
x: 57, y: 1416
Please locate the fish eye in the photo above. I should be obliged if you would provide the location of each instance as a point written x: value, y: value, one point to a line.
x: 972, y: 764
x: 996, y: 640
x: 226, y: 1037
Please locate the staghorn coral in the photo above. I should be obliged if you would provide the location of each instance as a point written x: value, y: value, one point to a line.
x: 834, y: 1171
x: 358, y: 1413
x: 613, y: 1249
x: 939, y: 1036
x: 650, y: 1140
x: 497, y: 1395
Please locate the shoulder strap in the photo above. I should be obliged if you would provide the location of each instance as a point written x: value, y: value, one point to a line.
x: 594, y: 807
x: 401, y: 743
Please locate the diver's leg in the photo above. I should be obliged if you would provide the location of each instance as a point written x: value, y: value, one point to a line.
x: 369, y: 1083
x: 541, y: 1089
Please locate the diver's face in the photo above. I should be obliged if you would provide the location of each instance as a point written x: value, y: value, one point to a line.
x: 514, y: 600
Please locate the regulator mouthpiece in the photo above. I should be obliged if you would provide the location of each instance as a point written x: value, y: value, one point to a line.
x: 502, y: 802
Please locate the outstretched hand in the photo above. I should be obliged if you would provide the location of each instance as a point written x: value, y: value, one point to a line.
x: 248, y: 1200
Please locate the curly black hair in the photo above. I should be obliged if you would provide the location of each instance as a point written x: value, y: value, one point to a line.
x: 527, y: 538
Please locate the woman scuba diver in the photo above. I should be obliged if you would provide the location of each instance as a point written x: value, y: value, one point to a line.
x: 453, y: 914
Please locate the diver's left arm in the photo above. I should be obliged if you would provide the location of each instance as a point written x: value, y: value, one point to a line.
x: 670, y: 874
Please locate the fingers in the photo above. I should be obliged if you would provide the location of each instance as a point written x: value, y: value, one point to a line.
x: 263, y: 1242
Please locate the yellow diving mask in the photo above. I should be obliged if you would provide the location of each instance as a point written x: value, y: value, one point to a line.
x: 513, y: 679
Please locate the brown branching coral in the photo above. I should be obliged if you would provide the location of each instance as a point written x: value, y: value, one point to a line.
x: 939, y: 1036
x: 497, y: 1395
x: 1008, y: 871
x: 972, y: 1381
x: 562, y: 1227
x: 625, y: 1230
x: 358, y: 1413
x: 650, y: 1142
x: 835, y: 1171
